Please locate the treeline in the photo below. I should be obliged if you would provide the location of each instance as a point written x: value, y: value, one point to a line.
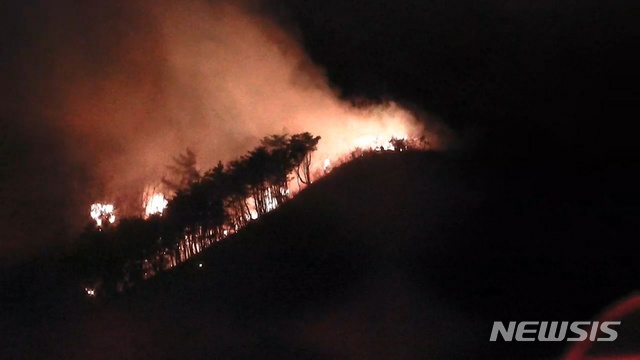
x: 206, y: 207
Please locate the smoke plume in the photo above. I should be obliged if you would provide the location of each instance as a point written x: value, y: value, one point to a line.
x: 111, y: 90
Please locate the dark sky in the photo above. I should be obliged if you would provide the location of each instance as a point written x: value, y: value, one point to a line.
x: 525, y: 74
x: 517, y: 79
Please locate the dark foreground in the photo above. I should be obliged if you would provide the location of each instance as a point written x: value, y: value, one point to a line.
x: 399, y: 256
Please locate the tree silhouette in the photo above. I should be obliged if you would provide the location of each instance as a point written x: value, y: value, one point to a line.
x: 280, y: 165
x: 183, y: 171
x: 202, y: 208
x: 398, y: 144
x: 301, y: 146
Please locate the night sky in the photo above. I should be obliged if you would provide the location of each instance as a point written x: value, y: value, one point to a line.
x: 527, y: 210
x: 530, y: 80
x: 543, y: 74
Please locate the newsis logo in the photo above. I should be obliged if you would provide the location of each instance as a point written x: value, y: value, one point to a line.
x: 555, y: 331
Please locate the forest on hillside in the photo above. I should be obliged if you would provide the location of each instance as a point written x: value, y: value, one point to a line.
x: 207, y: 206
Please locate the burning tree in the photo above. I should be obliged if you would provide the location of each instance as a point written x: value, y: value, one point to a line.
x: 153, y: 201
x: 103, y: 214
x: 203, y: 209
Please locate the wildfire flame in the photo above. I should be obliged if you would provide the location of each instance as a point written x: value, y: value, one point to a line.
x: 101, y: 212
x: 326, y: 165
x: 155, y: 204
x: 373, y: 142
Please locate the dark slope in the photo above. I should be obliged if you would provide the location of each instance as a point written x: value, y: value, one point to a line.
x: 397, y: 256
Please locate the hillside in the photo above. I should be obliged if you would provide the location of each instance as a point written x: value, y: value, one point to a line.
x: 394, y: 256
